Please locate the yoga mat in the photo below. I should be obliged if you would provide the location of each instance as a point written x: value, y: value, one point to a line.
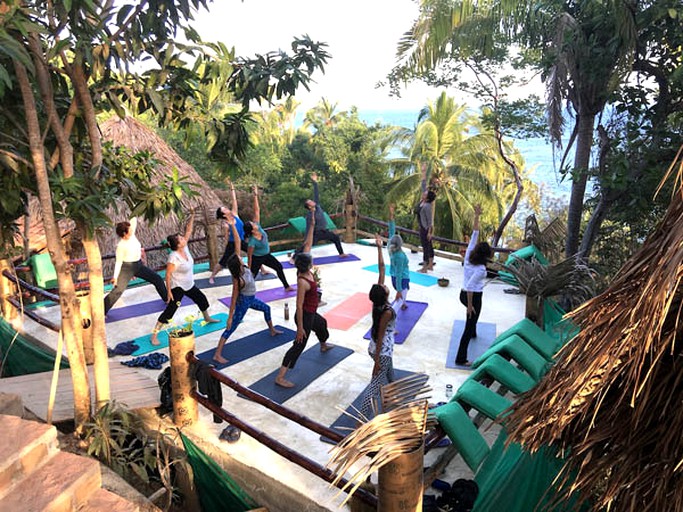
x: 348, y: 313
x: 325, y: 260
x: 406, y: 319
x: 415, y: 277
x: 345, y: 424
x: 311, y: 365
x: 144, y: 342
x: 143, y: 308
x: 226, y: 280
x: 236, y: 351
x: 486, y: 333
x: 268, y: 295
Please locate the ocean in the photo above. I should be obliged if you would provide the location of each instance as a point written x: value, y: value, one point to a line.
x: 537, y: 152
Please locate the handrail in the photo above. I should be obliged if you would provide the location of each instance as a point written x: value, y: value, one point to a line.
x: 23, y: 284
x: 302, y: 420
x: 32, y: 314
x: 281, y: 449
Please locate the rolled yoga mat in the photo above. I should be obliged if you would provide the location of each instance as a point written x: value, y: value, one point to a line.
x: 406, y: 319
x: 311, y: 365
x: 268, y: 295
x: 326, y: 260
x: 415, y: 277
x: 344, y: 424
x: 238, y: 350
x: 198, y: 326
x: 486, y: 333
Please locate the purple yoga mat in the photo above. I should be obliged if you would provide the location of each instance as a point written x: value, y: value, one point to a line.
x: 267, y: 295
x: 406, y: 319
x: 144, y: 308
x: 324, y: 260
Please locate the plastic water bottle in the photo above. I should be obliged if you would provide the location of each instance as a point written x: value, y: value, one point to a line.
x: 449, y: 390
x: 286, y: 310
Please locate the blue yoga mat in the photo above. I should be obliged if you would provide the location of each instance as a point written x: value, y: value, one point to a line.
x: 415, y: 277
x: 486, y: 333
x: 311, y: 365
x: 344, y: 424
x: 236, y: 351
x: 226, y: 280
x: 267, y: 295
x: 326, y: 260
x: 406, y: 319
x: 145, y: 342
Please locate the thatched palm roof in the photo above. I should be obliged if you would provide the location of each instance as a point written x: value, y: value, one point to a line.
x: 614, y: 399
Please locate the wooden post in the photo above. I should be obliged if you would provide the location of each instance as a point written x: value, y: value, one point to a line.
x: 211, y: 238
x: 399, y: 485
x: 534, y: 310
x: 86, y: 326
x: 185, y: 408
x: 7, y: 290
x: 349, y: 224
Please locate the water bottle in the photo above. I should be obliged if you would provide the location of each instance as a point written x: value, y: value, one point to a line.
x: 449, y: 390
x: 286, y: 310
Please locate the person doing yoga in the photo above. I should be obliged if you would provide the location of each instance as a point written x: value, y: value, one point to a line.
x: 400, y: 273
x: 315, y: 212
x: 258, y: 251
x: 474, y: 274
x: 307, y: 318
x: 243, y: 295
x: 222, y: 214
x: 381, y: 347
x: 180, y: 280
x: 130, y: 261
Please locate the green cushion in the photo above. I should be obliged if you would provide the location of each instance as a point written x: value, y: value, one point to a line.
x: 463, y: 433
x: 540, y: 340
x: 526, y: 253
x: 481, y: 398
x: 299, y: 223
x: 516, y: 348
x: 505, y: 373
x: 562, y: 329
x: 43, y: 271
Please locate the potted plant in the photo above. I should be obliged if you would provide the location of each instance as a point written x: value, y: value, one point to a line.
x: 443, y: 281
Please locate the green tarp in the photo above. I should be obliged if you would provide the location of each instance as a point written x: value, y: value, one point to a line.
x: 217, y: 491
x: 20, y: 356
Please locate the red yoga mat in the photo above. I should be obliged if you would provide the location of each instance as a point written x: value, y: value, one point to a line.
x: 346, y: 315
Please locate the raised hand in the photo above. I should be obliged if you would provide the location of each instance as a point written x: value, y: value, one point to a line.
x: 314, y: 176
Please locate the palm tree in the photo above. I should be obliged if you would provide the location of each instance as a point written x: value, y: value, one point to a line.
x: 461, y: 164
x: 322, y: 116
x: 586, y: 49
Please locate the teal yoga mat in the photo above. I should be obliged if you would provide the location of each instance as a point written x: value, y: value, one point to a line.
x: 486, y: 333
x: 144, y: 342
x: 415, y: 277
x: 311, y: 365
x: 236, y: 351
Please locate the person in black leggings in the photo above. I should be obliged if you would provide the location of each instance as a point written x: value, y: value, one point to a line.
x: 258, y: 251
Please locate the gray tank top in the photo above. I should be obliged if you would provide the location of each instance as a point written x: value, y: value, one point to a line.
x: 249, y: 288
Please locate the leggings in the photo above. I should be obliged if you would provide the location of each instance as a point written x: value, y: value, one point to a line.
x: 470, y: 325
x: 385, y: 376
x: 194, y: 293
x: 326, y: 234
x: 427, y: 247
x: 128, y: 270
x: 269, y: 261
x: 244, y: 303
x: 312, y: 322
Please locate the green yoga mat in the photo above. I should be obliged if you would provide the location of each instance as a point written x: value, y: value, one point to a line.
x: 145, y: 342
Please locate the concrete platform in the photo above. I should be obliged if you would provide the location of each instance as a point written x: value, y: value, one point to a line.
x: 424, y: 351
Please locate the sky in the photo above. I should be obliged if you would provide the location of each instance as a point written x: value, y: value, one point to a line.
x: 362, y: 37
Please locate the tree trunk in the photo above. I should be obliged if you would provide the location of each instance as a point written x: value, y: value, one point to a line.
x: 584, y: 143
x: 518, y: 196
x: 99, y: 336
x: 67, y: 292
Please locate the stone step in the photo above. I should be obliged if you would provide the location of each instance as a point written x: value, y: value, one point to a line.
x: 64, y: 483
x: 25, y: 446
x: 109, y: 502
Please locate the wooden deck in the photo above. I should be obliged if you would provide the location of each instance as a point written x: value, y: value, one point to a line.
x: 128, y: 386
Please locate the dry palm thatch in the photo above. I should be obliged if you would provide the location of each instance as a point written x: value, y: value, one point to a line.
x: 613, y: 399
x: 549, y: 240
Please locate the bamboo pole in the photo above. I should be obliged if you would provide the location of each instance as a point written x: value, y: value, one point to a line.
x: 7, y: 290
x: 400, y: 483
x: 55, y: 378
x: 185, y: 411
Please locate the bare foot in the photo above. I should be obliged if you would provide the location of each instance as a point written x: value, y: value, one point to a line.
x: 211, y: 320
x: 324, y: 347
x: 211, y: 281
x: 284, y: 383
x: 220, y: 359
x: 343, y: 255
x: 404, y: 306
x: 275, y: 332
x: 423, y: 270
x: 155, y: 340
x: 289, y: 289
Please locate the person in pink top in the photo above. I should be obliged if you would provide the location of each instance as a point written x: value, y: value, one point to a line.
x: 474, y: 275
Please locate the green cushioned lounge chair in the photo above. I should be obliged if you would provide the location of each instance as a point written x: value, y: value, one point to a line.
x: 463, y: 433
x: 481, y: 398
x: 526, y: 253
x: 562, y: 329
x: 540, y: 340
x: 504, y: 372
x: 299, y: 223
x: 514, y: 347
x: 43, y: 271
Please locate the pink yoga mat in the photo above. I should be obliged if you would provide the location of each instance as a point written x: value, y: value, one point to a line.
x: 348, y: 313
